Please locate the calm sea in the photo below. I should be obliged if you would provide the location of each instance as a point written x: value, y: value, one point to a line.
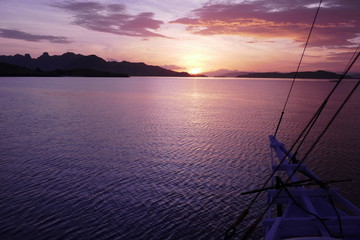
x: 154, y: 158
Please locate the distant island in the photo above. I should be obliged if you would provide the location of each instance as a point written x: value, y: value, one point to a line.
x: 18, y: 71
x: 320, y: 74
x: 71, y: 64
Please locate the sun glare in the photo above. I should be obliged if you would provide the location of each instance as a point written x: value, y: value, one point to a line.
x: 195, y: 71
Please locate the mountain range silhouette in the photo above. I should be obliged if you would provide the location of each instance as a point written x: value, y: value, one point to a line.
x: 71, y: 61
x: 71, y: 64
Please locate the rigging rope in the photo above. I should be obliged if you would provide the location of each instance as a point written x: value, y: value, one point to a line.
x: 251, y: 228
x: 231, y: 231
x: 352, y: 57
x: 283, y: 186
x: 312, y: 122
x: 298, y: 68
x: 333, y: 117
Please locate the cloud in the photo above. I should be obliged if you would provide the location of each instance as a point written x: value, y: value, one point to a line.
x: 173, y: 67
x: 341, y: 57
x: 337, y: 23
x: 16, y: 34
x: 257, y: 41
x: 111, y: 18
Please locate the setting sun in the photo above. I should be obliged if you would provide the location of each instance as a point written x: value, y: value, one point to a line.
x: 195, y: 70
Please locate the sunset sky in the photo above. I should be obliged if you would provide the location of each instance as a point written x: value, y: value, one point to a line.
x: 187, y: 35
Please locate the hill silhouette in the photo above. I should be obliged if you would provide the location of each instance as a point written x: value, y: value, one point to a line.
x: 320, y: 74
x: 14, y: 70
x: 71, y: 61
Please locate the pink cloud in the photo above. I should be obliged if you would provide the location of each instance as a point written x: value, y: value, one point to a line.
x: 173, y: 67
x: 338, y: 21
x: 340, y: 57
x: 111, y: 18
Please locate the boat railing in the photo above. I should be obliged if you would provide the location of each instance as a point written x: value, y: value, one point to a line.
x: 318, y: 210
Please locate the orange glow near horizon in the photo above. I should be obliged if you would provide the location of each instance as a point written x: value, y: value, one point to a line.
x: 195, y: 70
x: 196, y: 37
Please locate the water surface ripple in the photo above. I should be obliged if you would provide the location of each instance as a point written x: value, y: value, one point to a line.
x: 153, y: 158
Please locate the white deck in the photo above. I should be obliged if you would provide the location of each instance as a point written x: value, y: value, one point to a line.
x: 295, y: 222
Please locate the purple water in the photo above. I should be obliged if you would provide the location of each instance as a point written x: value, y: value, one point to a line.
x: 154, y: 158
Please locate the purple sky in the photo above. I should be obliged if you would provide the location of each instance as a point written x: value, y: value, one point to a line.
x: 187, y: 35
